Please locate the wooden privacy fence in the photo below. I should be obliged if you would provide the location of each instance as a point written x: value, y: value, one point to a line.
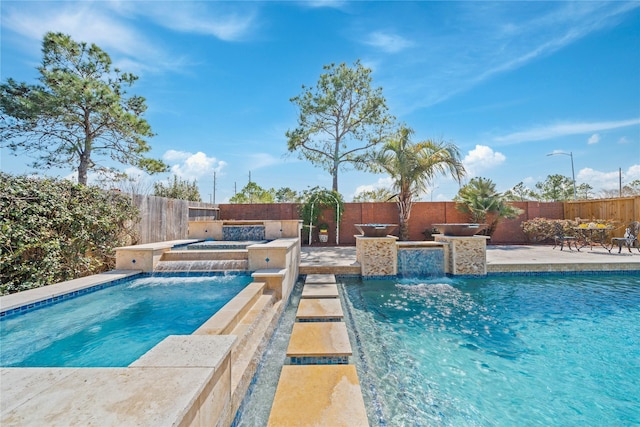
x: 621, y: 211
x: 164, y: 219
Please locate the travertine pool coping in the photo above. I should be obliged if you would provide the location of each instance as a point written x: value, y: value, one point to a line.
x: 32, y: 296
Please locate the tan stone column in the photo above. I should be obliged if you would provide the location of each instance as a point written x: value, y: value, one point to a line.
x: 378, y: 256
x: 465, y: 254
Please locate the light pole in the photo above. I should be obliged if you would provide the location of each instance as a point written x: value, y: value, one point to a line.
x: 573, y: 175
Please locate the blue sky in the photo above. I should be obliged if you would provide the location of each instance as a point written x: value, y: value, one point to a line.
x: 507, y: 82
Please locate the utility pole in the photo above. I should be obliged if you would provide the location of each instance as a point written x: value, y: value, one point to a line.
x: 619, y: 182
x: 214, y: 187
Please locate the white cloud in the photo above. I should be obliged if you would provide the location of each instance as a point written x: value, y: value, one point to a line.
x: 594, y: 139
x: 385, y: 182
x: 482, y: 158
x: 633, y: 173
x: 91, y: 22
x: 261, y: 160
x: 607, y: 180
x: 209, y: 18
x: 335, y: 4
x: 391, y: 43
x: 175, y: 156
x: 192, y: 166
x: 114, y: 27
x: 623, y: 140
x: 563, y: 129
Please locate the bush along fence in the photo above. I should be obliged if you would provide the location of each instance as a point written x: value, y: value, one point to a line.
x: 55, y: 230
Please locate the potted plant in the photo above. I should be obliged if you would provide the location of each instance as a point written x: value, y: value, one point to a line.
x: 323, y: 232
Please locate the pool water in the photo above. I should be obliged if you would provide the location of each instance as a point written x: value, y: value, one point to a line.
x: 116, y: 325
x: 498, y: 351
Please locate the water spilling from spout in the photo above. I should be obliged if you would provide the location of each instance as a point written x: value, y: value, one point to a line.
x: 202, y: 265
x: 421, y: 262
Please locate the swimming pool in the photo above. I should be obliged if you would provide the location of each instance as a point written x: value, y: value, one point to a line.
x: 115, y: 325
x: 540, y: 350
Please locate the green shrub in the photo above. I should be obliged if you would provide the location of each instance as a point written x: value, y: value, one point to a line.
x: 55, y: 230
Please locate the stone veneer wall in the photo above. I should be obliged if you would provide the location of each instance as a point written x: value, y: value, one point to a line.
x: 467, y: 255
x: 378, y: 256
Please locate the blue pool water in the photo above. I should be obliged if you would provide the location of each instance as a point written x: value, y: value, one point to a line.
x: 498, y: 351
x: 116, y: 325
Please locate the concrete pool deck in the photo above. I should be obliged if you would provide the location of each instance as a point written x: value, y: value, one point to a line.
x: 500, y: 258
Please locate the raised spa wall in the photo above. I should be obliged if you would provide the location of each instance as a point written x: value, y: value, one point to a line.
x: 243, y: 230
x: 146, y: 257
x: 462, y: 255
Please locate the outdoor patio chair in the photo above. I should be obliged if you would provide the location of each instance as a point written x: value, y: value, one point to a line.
x: 630, y: 238
x: 560, y: 236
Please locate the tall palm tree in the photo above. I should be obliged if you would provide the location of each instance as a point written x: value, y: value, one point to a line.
x: 413, y: 166
x: 481, y: 201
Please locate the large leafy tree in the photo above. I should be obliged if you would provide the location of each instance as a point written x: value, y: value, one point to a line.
x: 480, y: 200
x: 340, y: 120
x: 520, y: 193
x: 78, y: 115
x: 413, y: 167
x: 287, y: 195
x: 555, y: 188
x: 178, y: 189
x: 584, y: 191
x: 253, y: 193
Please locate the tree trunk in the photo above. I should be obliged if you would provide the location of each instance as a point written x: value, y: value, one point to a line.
x: 334, y: 171
x: 404, y: 212
x: 82, y: 169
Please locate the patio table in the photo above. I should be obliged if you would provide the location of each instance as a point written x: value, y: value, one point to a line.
x: 589, y: 236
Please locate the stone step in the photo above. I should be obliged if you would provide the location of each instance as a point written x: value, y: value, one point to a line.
x: 345, y: 270
x: 314, y: 279
x: 319, y: 310
x: 326, y: 290
x: 314, y: 395
x: 319, y: 343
